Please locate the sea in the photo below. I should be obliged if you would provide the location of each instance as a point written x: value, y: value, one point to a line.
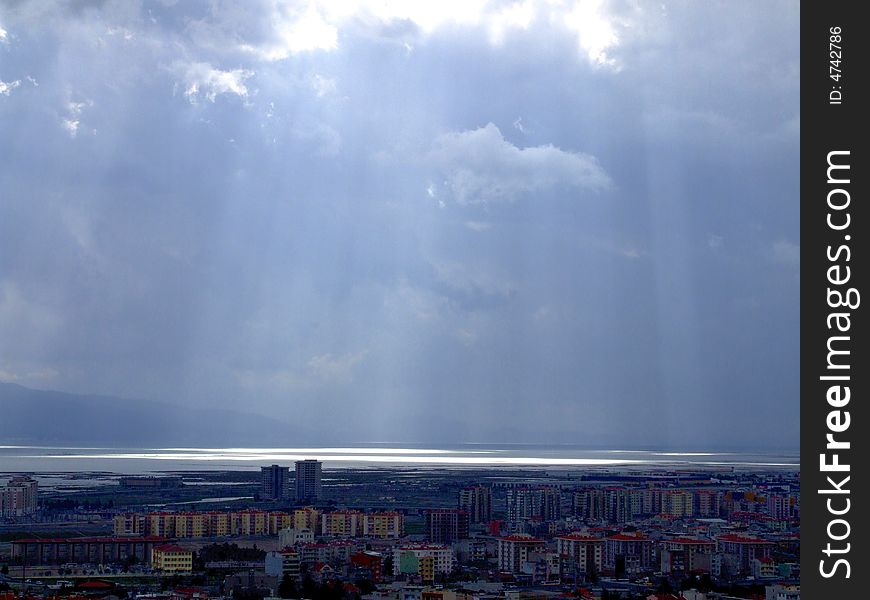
x: 45, y: 459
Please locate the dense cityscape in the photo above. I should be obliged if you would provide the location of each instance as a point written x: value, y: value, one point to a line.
x: 403, y: 534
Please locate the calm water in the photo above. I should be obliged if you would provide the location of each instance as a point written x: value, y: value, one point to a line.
x: 143, y: 460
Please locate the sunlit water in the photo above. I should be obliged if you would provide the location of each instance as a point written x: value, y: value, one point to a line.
x: 138, y: 460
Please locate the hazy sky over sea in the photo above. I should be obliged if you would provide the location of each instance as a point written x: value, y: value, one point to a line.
x: 451, y: 221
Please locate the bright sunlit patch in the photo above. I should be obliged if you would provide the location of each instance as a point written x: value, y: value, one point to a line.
x: 360, y: 458
x: 295, y: 32
x: 595, y: 32
x: 513, y: 16
x: 309, y: 32
x: 269, y: 451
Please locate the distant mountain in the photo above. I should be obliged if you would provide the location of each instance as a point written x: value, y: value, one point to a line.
x: 39, y: 417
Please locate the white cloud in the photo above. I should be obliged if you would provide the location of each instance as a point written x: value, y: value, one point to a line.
x: 518, y: 15
x: 4, y: 35
x: 72, y: 120
x: 7, y: 87
x: 71, y: 126
x: 120, y: 31
x: 274, y: 30
x: 295, y: 32
x: 480, y: 165
x: 595, y: 30
x: 202, y: 79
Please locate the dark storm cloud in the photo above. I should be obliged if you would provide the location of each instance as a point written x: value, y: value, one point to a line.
x: 510, y: 223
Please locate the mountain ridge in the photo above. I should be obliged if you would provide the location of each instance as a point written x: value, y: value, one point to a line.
x: 32, y: 416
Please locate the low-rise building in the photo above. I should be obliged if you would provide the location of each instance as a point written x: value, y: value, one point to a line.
x: 407, y: 559
x: 170, y: 558
x: 369, y: 564
x: 283, y: 563
x: 782, y: 592
x: 763, y: 568
x: 290, y: 537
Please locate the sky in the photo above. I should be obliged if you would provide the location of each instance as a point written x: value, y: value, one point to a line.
x: 456, y: 221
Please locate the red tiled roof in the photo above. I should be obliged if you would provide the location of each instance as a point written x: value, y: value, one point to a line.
x: 95, y: 585
x: 628, y: 538
x: 685, y: 540
x: 170, y: 548
x: 580, y: 537
x: 521, y: 538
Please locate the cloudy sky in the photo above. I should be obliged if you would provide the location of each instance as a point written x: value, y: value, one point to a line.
x: 436, y: 221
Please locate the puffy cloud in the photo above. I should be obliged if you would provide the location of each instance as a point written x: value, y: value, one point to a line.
x: 295, y: 32
x: 72, y: 119
x: 480, y: 165
x: 7, y: 87
x: 596, y: 33
x: 273, y: 30
x: 202, y: 79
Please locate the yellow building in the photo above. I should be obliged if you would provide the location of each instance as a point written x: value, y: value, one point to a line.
x: 171, y: 559
x: 253, y: 522
x: 427, y: 568
x: 307, y: 518
x: 342, y: 523
x: 677, y: 503
x: 191, y: 524
x: 161, y: 524
x: 198, y: 524
x: 218, y: 523
x: 279, y: 521
x: 129, y: 524
x: 383, y: 525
